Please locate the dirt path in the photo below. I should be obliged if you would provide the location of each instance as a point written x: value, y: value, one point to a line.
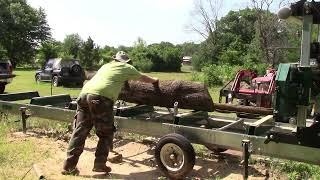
x: 138, y: 162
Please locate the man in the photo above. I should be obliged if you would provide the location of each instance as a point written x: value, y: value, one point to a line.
x: 95, y: 108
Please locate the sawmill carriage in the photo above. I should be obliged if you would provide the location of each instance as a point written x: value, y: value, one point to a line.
x: 287, y: 131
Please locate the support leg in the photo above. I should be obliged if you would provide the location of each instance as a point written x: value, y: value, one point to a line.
x: 24, y: 117
x: 246, y: 155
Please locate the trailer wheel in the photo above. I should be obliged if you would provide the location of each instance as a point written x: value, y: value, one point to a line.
x: 175, y: 156
x: 55, y: 81
x: 38, y: 78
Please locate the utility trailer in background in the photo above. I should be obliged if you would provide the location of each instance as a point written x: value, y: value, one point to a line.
x: 174, y: 153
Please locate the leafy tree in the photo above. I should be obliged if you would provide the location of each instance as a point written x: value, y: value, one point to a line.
x: 268, y: 29
x: 236, y: 31
x: 106, y: 54
x: 124, y: 48
x: 204, y: 56
x: 89, y: 54
x: 237, y: 24
x: 22, y: 28
x: 141, y: 56
x: 48, y: 50
x: 165, y: 57
x: 71, y: 45
x: 162, y: 56
x: 3, y: 53
x: 188, y: 48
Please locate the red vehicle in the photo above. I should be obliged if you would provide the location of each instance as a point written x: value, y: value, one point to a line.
x: 249, y: 89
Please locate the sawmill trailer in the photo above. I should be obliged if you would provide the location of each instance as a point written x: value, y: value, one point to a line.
x: 290, y: 131
x: 177, y: 128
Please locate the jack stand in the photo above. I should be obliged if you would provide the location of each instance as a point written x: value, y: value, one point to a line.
x: 175, y: 113
x: 245, y: 156
x: 24, y: 117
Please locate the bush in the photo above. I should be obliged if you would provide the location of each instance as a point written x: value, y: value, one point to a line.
x: 144, y: 65
x: 216, y: 75
x: 212, y: 75
x: 260, y: 68
x: 205, y: 56
x: 165, y: 57
x: 161, y: 57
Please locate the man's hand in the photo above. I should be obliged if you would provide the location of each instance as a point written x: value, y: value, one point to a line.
x: 156, y: 85
x: 148, y: 79
x: 156, y: 82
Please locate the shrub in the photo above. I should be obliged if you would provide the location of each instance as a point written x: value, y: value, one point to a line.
x: 212, y: 75
x: 165, y: 57
x: 144, y: 65
x: 215, y: 75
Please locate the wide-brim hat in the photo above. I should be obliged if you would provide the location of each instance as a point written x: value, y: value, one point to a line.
x: 121, y: 57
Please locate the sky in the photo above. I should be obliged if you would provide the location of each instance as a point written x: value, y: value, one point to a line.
x: 121, y: 22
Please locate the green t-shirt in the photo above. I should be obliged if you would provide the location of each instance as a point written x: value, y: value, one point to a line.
x: 109, y: 79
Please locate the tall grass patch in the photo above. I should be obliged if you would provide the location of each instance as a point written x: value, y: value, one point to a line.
x: 296, y: 170
x: 16, y: 156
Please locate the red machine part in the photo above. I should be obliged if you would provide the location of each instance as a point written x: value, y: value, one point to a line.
x: 260, y: 89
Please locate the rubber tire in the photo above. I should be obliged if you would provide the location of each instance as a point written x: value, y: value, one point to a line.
x: 188, y: 152
x: 76, y: 70
x: 37, y: 78
x: 2, y: 88
x: 55, y: 81
x: 79, y: 84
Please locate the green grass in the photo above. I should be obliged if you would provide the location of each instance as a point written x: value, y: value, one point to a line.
x: 16, y: 158
x: 296, y: 170
x: 24, y: 81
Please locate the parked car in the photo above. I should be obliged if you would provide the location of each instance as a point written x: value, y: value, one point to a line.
x: 61, y: 71
x: 6, y: 75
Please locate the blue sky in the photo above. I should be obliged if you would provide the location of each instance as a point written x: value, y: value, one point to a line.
x: 121, y: 22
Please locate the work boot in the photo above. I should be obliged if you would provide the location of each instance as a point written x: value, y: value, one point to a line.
x: 73, y: 172
x: 101, y: 168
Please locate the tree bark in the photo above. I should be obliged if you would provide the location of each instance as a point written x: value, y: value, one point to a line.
x: 189, y: 95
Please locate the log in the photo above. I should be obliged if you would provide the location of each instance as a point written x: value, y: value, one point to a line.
x: 189, y: 95
x: 244, y: 109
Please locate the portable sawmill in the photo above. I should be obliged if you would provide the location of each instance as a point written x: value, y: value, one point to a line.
x: 290, y: 131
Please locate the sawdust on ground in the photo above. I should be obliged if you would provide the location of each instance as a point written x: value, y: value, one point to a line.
x: 138, y: 162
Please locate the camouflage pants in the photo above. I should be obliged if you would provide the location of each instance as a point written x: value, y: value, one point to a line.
x: 97, y: 111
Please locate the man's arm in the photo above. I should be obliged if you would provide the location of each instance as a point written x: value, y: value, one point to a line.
x: 148, y: 79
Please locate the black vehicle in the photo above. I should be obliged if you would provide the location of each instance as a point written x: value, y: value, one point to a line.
x: 61, y: 71
x: 6, y: 75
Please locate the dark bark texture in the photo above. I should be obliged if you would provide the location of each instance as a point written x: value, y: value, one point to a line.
x: 189, y: 95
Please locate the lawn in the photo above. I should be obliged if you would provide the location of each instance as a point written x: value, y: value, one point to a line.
x: 24, y: 81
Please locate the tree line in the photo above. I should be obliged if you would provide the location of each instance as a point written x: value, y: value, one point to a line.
x: 162, y: 56
x: 248, y: 38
